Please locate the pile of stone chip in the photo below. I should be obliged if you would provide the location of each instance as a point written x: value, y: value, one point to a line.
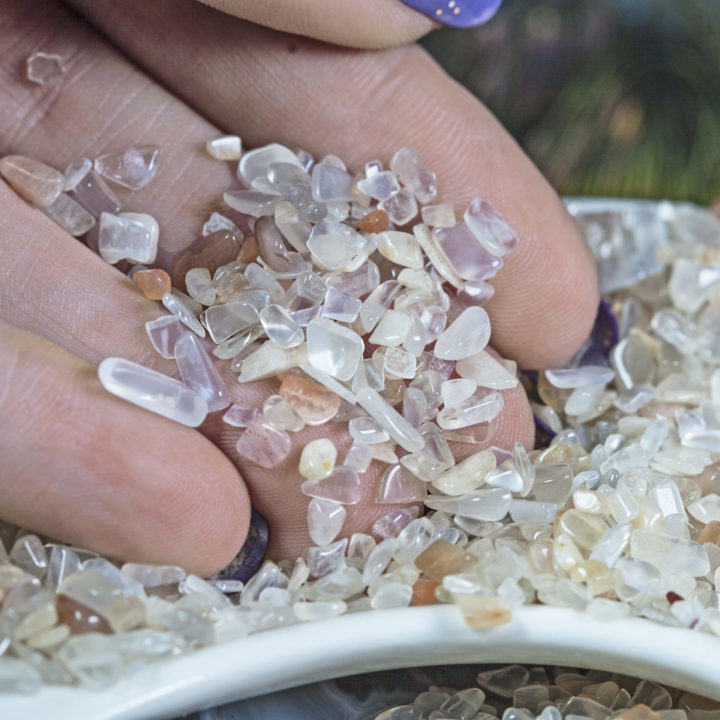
x: 517, y: 692
x: 618, y: 514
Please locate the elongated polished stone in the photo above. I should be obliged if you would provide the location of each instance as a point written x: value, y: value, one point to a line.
x: 342, y: 485
x: 69, y: 215
x: 153, y: 391
x: 128, y: 236
x: 333, y: 348
x: 269, y: 360
x: 133, y: 168
x: 199, y: 372
x: 280, y: 328
x: 183, y: 312
x: 264, y: 444
x: 225, y: 147
x: 32, y: 180
x: 467, y: 257
x: 578, y: 377
x: 415, y: 174
x: 313, y: 402
x: 484, y: 504
x: 395, y: 424
x: 467, y: 475
x: 489, y: 227
x: 466, y: 336
x: 377, y: 302
x: 252, y: 202
x: 486, y: 371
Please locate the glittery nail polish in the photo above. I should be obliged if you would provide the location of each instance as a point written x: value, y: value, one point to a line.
x: 247, y: 562
x: 457, y: 13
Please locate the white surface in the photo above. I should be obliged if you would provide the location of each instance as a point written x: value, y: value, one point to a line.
x: 381, y: 640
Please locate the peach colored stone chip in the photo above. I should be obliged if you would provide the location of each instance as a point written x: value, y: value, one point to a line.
x: 32, y: 180
x: 482, y: 612
x: 313, y: 402
x: 153, y: 283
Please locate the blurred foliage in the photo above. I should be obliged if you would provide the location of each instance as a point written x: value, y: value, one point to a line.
x: 609, y: 97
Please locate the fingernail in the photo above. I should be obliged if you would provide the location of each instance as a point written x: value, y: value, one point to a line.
x: 457, y: 13
x: 247, y: 562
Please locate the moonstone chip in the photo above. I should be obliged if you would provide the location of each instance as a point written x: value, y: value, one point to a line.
x: 134, y: 168
x: 251, y: 202
x: 481, y: 407
x: 333, y: 348
x: 280, y: 328
x: 264, y: 445
x: 467, y: 476
x: 401, y: 207
x: 183, y: 312
x: 317, y: 459
x: 279, y: 414
x: 216, y: 222
x: 489, y: 227
x: 240, y: 416
x: 32, y: 180
x: 269, y: 360
x: 70, y: 215
x: 401, y: 248
x: 399, y: 486
x: 330, y: 183
x: 224, y: 321
x: 128, y: 236
x: 468, y: 259
x: 199, y: 372
x: 707, y: 509
x: 199, y: 286
x: 570, y: 378
x: 487, y: 504
x: 415, y: 174
x: 455, y: 391
x: 391, y: 524
x: 466, y: 336
x: 153, y: 391
x: 391, y: 595
x: 359, y: 457
x: 379, y: 186
x: 486, y: 371
x: 395, y: 424
x: 342, y: 486
x: 225, y: 147
x: 340, y: 306
x: 392, y: 329
x: 377, y: 302
x: 335, y: 246
x: 325, y: 520
x: 366, y: 430
x: 256, y: 163
x: 29, y: 553
x: 532, y: 512
x: 400, y: 364
x: 94, y: 195
x: 163, y: 333
x: 313, y: 402
x: 442, y: 215
x: 75, y: 172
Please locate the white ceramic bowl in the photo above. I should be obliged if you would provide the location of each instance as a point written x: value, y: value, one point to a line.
x: 368, y: 641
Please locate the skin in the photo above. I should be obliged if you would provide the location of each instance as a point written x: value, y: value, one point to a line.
x: 87, y: 468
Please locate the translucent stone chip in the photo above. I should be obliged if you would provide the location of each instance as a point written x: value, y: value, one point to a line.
x: 225, y: 147
x: 399, y: 486
x: 153, y: 391
x: 45, y: 68
x: 489, y: 227
x: 225, y: 321
x: 32, y: 180
x: 269, y: 360
x: 571, y: 378
x: 342, y: 485
x: 264, y: 444
x: 486, y: 371
x: 317, y: 459
x: 401, y: 248
x: 481, y: 407
x: 400, y: 364
x: 380, y: 185
x: 333, y: 348
x: 466, y: 336
x: 330, y: 183
x: 183, y: 312
x: 313, y: 402
x: 153, y: 283
x: 256, y: 163
x: 133, y: 168
x: 163, y: 333
x: 75, y: 172
x: 70, y: 215
x: 340, y: 306
x: 128, y: 236
x: 401, y: 207
x: 368, y: 431
x: 280, y: 415
x: 415, y: 174
x: 200, y: 286
x: 395, y: 424
x: 199, y: 372
x: 251, y: 202
x: 325, y: 520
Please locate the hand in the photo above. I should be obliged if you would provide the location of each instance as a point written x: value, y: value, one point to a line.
x: 85, y: 467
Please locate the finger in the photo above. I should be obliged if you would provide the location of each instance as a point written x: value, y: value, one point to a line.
x: 369, y: 24
x: 366, y: 104
x: 83, y: 466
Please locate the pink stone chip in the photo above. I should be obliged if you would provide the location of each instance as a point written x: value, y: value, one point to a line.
x: 391, y: 524
x: 264, y: 445
x: 400, y: 486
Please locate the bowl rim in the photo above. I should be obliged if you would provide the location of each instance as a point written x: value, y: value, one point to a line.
x: 382, y: 640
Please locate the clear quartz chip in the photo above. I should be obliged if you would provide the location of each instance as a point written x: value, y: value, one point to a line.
x: 70, y: 215
x: 466, y: 336
x: 75, y: 172
x: 489, y: 227
x: 335, y: 246
x: 153, y: 391
x: 325, y: 520
x: 571, y: 378
x: 199, y: 372
x: 200, y: 286
x: 333, y: 348
x: 133, y: 168
x: 467, y: 257
x: 340, y: 306
x: 225, y: 147
x: 280, y: 328
x: 183, y: 311
x: 366, y: 430
x: 486, y: 371
x: 401, y: 207
x: 252, y: 202
x: 399, y: 363
x: 227, y: 320
x: 280, y: 415
x: 264, y: 444
x: 330, y: 183
x: 415, y: 174
x: 401, y: 248
x: 380, y: 185
x: 482, y: 406
x: 216, y: 222
x: 390, y: 420
x: 128, y: 236
x: 163, y: 333
x: 377, y: 302
x: 342, y: 486
x: 392, y: 329
x: 256, y: 163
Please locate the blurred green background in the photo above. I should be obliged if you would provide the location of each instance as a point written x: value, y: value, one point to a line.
x: 609, y: 97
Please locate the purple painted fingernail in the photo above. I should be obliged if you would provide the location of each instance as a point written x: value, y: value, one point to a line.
x: 247, y: 562
x: 457, y: 13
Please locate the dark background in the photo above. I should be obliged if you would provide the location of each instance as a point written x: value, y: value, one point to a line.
x: 608, y: 97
